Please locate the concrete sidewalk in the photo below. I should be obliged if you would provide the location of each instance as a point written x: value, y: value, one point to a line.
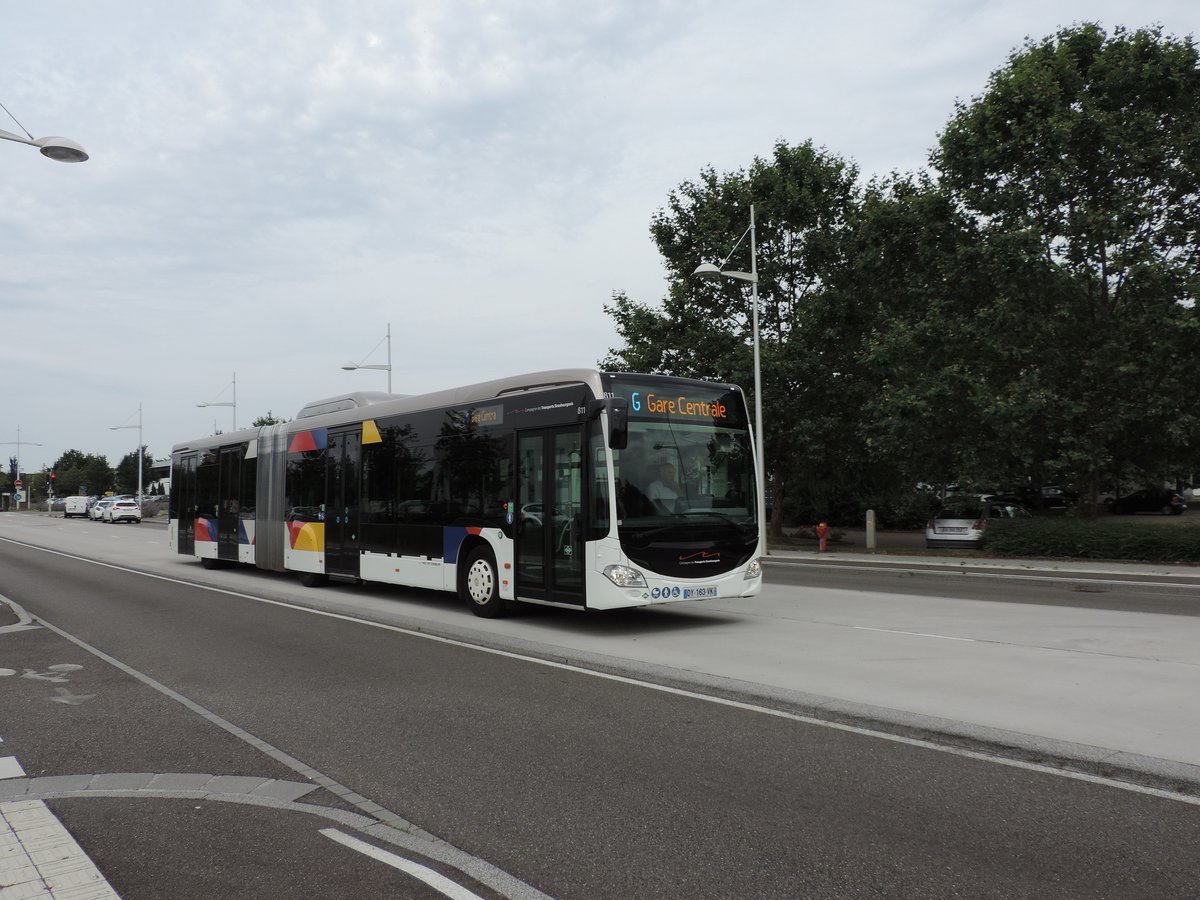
x: 39, y: 858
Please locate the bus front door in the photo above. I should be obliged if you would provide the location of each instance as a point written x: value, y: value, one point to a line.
x: 341, y: 504
x: 549, y: 526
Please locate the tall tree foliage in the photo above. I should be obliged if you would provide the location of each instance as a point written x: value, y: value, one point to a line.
x: 127, y: 471
x: 1026, y: 311
x: 77, y: 470
x: 917, y: 263
x: 803, y: 197
x: 1083, y: 156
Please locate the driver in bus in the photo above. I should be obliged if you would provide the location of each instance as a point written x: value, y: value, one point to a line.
x: 665, y: 491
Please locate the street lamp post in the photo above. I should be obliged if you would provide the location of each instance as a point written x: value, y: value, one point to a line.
x: 57, y: 148
x: 760, y: 447
x: 350, y: 367
x: 19, y: 444
x: 232, y: 402
x: 140, y: 453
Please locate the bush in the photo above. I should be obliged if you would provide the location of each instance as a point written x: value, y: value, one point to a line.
x: 1091, y: 539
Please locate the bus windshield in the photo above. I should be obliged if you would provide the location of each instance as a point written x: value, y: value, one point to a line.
x: 681, y: 472
x: 689, y: 458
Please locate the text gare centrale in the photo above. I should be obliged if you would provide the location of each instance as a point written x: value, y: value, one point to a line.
x: 678, y: 406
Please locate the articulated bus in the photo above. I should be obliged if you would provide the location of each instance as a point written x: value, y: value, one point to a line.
x: 572, y: 488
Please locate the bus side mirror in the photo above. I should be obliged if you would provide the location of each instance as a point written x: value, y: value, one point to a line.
x: 618, y: 423
x: 618, y: 419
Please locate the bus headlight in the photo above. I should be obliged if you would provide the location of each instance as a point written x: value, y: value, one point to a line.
x: 625, y: 576
x: 754, y: 569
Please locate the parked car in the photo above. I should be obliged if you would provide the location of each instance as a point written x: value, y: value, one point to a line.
x: 1047, y: 498
x: 123, y: 511
x: 962, y: 521
x: 1152, y: 500
x: 76, y: 506
x: 98, y: 508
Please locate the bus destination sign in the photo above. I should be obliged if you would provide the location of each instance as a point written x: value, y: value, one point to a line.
x: 688, y: 404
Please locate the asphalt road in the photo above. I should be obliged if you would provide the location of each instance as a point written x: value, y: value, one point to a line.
x: 566, y: 783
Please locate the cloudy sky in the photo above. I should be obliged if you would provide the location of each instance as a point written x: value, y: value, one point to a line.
x: 271, y: 185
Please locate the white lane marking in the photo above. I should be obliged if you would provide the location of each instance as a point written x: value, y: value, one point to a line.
x: 438, y: 882
x: 944, y: 637
x: 622, y: 679
x: 482, y: 871
x: 10, y: 768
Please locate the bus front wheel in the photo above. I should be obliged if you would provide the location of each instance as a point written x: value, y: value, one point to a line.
x: 312, y: 579
x: 481, y: 585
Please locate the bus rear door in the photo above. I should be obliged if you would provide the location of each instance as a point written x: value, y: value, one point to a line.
x: 341, y: 504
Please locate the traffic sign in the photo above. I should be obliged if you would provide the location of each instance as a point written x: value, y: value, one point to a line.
x: 17, y: 482
x: 19, y: 496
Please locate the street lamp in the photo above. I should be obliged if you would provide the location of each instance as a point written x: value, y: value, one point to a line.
x: 140, y: 454
x: 19, y: 444
x: 350, y: 367
x: 232, y: 402
x: 752, y: 277
x: 57, y: 148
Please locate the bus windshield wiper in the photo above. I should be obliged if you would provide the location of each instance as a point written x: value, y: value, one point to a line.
x: 713, y: 512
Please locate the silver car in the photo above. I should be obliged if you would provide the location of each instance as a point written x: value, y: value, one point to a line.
x: 98, y: 508
x: 962, y: 521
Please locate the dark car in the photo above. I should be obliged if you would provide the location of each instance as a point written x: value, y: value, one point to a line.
x: 1152, y: 500
x: 1047, y: 498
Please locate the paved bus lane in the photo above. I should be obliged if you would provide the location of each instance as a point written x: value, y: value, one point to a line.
x: 159, y: 800
x: 614, y: 786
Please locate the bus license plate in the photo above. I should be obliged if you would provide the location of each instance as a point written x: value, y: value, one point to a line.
x: 700, y: 593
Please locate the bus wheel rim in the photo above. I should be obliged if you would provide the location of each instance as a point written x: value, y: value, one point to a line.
x: 479, y: 581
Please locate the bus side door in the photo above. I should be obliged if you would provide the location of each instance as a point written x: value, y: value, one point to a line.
x: 549, y: 525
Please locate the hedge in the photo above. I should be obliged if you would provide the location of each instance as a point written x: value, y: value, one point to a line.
x: 1094, y: 539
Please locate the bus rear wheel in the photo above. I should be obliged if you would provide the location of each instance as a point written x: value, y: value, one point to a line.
x: 480, y: 585
x: 313, y: 579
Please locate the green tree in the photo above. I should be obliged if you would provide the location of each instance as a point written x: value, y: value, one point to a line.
x: 126, y: 475
x: 77, y: 470
x: 1081, y: 164
x: 269, y: 419
x: 803, y: 198
x: 916, y: 268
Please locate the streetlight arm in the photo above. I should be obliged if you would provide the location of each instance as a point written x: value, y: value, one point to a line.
x: 9, y: 136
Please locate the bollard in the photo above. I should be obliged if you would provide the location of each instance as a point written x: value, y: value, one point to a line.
x: 870, y: 529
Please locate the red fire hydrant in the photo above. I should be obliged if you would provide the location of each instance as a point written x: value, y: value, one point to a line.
x: 823, y: 537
